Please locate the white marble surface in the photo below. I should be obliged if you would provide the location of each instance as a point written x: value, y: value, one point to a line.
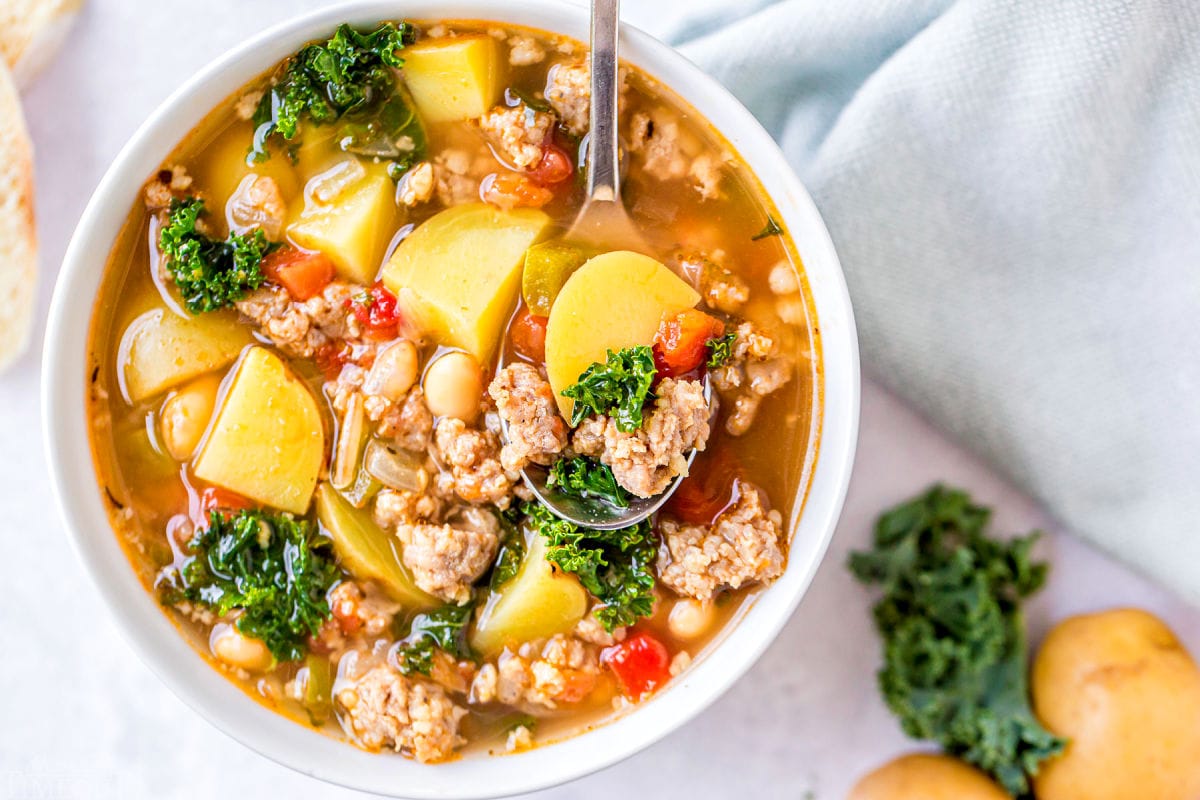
x: 85, y: 719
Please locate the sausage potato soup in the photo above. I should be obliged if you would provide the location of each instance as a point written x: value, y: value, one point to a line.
x: 342, y: 320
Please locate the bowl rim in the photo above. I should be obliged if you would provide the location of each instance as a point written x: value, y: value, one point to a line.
x: 152, y: 634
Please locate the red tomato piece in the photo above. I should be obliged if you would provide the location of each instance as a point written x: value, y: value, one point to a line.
x: 331, y: 357
x: 302, y: 273
x: 711, y: 487
x: 528, y: 334
x: 641, y: 664
x: 375, y: 310
x: 508, y: 190
x: 213, y: 498
x: 679, y: 344
x: 554, y: 167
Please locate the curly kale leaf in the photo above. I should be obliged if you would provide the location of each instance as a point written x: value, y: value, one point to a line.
x: 584, y: 477
x: 444, y: 627
x: 512, y: 548
x: 617, y: 567
x: 350, y: 76
x: 720, y: 350
x: 620, y: 386
x: 276, y: 569
x: 772, y: 228
x: 954, y: 637
x: 210, y: 273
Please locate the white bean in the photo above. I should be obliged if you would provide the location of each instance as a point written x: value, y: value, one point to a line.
x: 689, y: 618
x: 454, y: 386
x: 185, y: 415
x: 394, y: 371
x: 229, y: 645
x: 782, y: 278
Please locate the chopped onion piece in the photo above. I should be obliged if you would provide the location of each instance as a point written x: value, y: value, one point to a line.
x: 396, y: 469
x: 349, y: 443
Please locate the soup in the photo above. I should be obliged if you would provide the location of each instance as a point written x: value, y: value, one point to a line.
x: 344, y: 322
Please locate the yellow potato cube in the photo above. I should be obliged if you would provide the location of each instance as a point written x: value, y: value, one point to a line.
x: 267, y: 441
x: 456, y: 276
x: 615, y: 300
x: 352, y: 228
x: 537, y: 603
x: 161, y: 349
x: 454, y: 79
x: 223, y: 164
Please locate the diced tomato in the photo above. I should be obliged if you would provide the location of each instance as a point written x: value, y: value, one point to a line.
x: 555, y: 166
x: 331, y: 357
x: 213, y: 498
x: 641, y: 664
x: 711, y: 487
x: 508, y: 190
x: 679, y: 344
x: 302, y: 273
x: 528, y: 333
x: 375, y: 310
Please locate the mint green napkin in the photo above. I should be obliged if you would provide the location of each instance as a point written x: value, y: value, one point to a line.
x: 1014, y: 190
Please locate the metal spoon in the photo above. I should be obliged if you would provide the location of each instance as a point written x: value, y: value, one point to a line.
x: 604, y: 224
x: 603, y: 221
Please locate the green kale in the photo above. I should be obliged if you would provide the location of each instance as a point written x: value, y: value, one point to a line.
x: 720, y: 350
x: 444, y: 627
x: 276, y: 569
x: 210, y: 273
x: 772, y: 228
x: 351, y: 76
x: 620, y: 386
x: 954, y: 636
x: 512, y: 548
x: 617, y: 567
x: 585, y: 477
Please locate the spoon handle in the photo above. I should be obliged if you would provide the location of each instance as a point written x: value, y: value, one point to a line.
x: 603, y: 174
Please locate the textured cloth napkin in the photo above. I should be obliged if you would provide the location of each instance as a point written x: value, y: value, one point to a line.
x: 1013, y: 187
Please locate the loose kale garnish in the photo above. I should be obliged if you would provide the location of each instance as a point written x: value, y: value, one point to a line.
x: 210, y: 273
x: 954, y: 637
x: 772, y: 228
x: 444, y: 627
x: 585, y: 477
x: 275, y: 568
x: 720, y: 350
x: 617, y: 567
x: 351, y: 76
x: 621, y: 386
x: 512, y: 548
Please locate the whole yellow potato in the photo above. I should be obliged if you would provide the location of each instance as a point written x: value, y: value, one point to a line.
x: 926, y: 776
x: 1126, y: 693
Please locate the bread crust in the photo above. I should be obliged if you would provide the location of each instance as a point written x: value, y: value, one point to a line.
x: 18, y: 237
x: 31, y: 31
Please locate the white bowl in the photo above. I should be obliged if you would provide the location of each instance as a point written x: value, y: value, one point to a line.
x: 137, y: 612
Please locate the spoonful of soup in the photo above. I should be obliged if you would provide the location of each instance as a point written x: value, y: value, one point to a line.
x: 610, y: 431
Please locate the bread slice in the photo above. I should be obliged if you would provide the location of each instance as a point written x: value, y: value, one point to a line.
x: 31, y: 32
x: 18, y: 238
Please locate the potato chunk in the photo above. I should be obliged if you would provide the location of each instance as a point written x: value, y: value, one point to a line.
x: 267, y: 441
x: 352, y: 228
x: 161, y: 349
x: 613, y: 301
x: 537, y: 603
x: 454, y: 79
x: 926, y: 776
x: 368, y: 551
x: 457, y: 275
